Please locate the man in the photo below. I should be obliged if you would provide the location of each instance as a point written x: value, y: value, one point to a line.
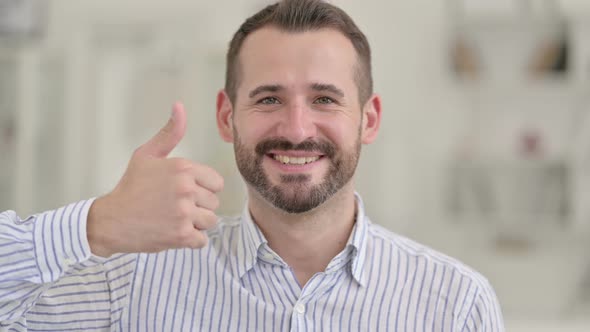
x: 150, y: 255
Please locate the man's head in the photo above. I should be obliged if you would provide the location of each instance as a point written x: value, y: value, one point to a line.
x: 298, y: 102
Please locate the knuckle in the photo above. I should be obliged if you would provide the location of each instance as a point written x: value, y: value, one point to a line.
x: 210, y: 200
x: 198, y: 241
x: 206, y: 220
x: 210, y: 219
x: 205, y: 168
x: 180, y: 165
x: 184, y: 188
x: 202, y: 241
x: 183, y: 185
x: 184, y: 236
x: 183, y: 211
x: 215, y: 179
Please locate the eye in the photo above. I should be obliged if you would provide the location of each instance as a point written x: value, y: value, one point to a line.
x: 269, y: 101
x: 324, y: 100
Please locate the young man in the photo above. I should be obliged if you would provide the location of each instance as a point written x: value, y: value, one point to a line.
x: 150, y: 256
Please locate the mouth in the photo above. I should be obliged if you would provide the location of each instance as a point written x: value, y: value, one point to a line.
x: 295, y: 160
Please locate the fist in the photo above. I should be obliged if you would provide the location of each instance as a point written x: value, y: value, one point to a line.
x: 160, y: 203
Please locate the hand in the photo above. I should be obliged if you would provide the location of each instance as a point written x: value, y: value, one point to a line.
x: 160, y: 203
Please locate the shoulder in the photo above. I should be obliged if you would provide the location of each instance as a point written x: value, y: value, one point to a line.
x: 448, y: 277
x: 428, y: 258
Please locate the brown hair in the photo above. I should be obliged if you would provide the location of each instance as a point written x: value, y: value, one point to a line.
x: 301, y: 16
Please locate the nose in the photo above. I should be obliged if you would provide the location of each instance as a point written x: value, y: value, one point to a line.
x: 296, y: 123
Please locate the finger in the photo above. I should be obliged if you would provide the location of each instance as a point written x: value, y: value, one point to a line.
x: 205, y: 198
x: 168, y: 137
x: 204, y: 219
x: 207, y: 178
x: 197, y: 240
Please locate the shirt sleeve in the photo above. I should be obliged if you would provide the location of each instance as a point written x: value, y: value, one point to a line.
x: 36, y: 252
x: 485, y: 313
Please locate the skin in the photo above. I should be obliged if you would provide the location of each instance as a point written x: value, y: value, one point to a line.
x: 297, y: 63
x: 164, y: 203
x: 160, y: 203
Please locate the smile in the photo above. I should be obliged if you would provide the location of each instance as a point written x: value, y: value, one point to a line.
x: 291, y: 160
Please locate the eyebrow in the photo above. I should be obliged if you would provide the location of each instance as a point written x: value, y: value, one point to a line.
x: 265, y: 88
x: 314, y: 86
x: 327, y: 87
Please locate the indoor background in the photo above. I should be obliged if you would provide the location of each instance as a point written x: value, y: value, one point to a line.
x: 483, y: 153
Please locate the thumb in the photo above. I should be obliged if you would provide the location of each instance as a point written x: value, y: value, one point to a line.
x: 168, y: 137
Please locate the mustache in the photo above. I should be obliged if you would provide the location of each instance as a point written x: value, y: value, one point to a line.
x: 324, y: 147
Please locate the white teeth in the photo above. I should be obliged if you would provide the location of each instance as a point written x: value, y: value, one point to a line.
x: 295, y: 160
x: 299, y: 161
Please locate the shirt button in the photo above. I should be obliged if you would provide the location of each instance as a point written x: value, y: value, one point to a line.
x: 69, y: 262
x: 268, y: 256
x: 300, y: 308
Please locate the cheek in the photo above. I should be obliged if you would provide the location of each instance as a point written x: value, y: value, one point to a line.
x: 252, y: 128
x: 341, y: 133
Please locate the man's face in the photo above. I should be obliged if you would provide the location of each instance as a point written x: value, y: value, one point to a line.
x: 297, y: 117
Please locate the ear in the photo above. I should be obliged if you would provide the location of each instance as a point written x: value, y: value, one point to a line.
x: 224, y: 117
x: 371, y: 119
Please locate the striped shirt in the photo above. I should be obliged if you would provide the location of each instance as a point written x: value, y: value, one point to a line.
x: 50, y: 281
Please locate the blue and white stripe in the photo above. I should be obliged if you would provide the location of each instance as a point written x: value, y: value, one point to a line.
x: 50, y: 281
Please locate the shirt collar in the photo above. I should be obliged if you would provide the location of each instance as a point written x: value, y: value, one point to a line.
x: 358, y: 242
x: 251, y: 241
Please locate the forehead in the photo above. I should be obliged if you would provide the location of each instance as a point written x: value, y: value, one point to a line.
x: 273, y: 56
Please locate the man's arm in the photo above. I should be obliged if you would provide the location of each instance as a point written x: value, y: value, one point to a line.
x: 160, y: 203
x: 36, y: 252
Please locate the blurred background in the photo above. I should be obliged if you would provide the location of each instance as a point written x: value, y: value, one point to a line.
x: 484, y: 149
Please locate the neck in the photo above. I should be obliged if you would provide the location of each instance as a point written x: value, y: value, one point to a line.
x: 306, y: 241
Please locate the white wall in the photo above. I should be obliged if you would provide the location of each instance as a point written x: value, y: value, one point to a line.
x: 125, y: 62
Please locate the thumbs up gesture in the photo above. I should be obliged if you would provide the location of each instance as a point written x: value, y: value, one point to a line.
x: 160, y: 203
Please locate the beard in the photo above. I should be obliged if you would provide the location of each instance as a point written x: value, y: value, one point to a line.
x: 295, y: 193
